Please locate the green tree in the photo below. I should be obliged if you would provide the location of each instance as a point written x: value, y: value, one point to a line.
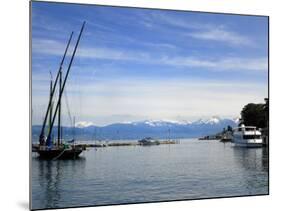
x: 255, y: 115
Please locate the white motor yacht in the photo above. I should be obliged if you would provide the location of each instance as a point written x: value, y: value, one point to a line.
x: 247, y: 136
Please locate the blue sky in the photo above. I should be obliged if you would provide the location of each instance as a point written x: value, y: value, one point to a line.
x: 135, y: 64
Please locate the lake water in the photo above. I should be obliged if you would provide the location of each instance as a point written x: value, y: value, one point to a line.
x: 128, y: 174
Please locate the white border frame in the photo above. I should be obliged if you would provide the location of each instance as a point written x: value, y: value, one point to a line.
x: 15, y: 102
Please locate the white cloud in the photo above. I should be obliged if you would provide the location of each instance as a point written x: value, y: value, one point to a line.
x: 158, y: 19
x: 232, y: 63
x: 222, y: 35
x: 200, y: 30
x: 116, y: 101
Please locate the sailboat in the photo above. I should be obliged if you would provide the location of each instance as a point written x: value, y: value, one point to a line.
x: 49, y: 149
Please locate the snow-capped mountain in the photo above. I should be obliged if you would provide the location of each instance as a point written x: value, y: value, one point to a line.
x: 153, y: 128
x: 159, y: 123
x: 213, y: 120
x: 83, y: 124
x: 236, y: 120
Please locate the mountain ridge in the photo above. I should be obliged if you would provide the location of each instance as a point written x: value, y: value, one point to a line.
x: 151, y: 122
x: 139, y: 129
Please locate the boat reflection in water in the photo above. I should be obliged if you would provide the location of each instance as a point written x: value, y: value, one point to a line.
x: 53, y: 176
x: 252, y: 160
x: 117, y: 175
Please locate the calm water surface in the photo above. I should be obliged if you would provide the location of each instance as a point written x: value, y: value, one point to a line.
x: 112, y: 175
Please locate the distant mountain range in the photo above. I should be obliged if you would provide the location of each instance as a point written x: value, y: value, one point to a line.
x: 140, y: 129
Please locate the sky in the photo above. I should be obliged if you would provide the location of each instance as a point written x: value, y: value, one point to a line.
x: 137, y: 64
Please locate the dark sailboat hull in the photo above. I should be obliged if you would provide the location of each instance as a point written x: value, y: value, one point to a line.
x: 59, y: 153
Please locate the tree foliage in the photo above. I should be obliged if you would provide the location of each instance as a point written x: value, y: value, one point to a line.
x: 255, y: 115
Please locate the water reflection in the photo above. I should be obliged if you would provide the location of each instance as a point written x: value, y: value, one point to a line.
x: 52, y: 177
x: 265, y: 158
x: 252, y: 158
x: 190, y: 170
x: 254, y: 161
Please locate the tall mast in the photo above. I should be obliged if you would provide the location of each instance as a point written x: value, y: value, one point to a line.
x: 65, y: 79
x: 50, y: 116
x: 73, y: 129
x: 59, y: 114
x: 41, y: 137
x: 51, y: 108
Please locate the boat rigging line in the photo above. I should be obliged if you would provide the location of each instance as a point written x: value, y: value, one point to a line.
x: 42, y: 136
x: 64, y: 82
